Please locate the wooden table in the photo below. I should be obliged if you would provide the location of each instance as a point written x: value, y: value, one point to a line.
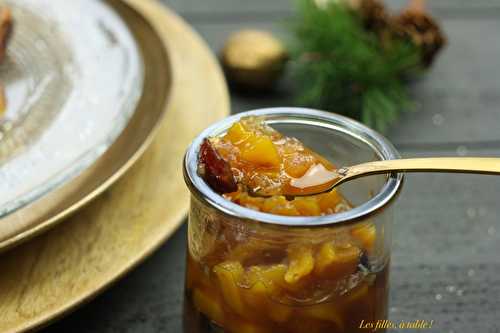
x: 446, y: 262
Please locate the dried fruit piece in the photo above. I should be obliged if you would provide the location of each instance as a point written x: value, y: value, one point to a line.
x: 215, y: 170
x: 5, y: 30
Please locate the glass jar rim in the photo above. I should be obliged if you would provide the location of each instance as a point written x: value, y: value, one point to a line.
x: 379, y: 144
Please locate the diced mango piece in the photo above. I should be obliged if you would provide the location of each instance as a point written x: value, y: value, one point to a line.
x: 237, y: 134
x: 323, y: 160
x: 279, y: 205
x: 260, y: 150
x: 329, y: 200
x: 336, y: 261
x: 272, y: 276
x: 301, y: 263
x: 254, y: 251
x: 365, y: 234
x: 356, y: 294
x: 286, y: 210
x: 278, y: 312
x: 307, y: 206
x: 243, y: 199
x: 258, y: 298
x: 207, y: 303
x: 248, y: 249
x: 273, y: 202
x: 297, y: 164
x: 326, y: 311
x: 304, y: 324
x: 239, y: 326
x: 326, y: 256
x: 193, y: 273
x: 228, y: 273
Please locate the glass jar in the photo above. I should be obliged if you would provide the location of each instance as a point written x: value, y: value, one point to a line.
x: 249, y: 271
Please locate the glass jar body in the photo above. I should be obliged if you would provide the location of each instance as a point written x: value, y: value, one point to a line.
x: 252, y: 272
x: 247, y: 276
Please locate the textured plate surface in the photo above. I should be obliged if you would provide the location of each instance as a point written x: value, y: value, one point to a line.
x: 73, y: 77
x: 55, y: 272
x: 44, y: 212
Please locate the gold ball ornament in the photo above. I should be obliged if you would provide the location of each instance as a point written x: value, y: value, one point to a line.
x: 253, y: 59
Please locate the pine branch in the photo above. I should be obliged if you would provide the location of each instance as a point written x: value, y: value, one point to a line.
x: 342, y: 67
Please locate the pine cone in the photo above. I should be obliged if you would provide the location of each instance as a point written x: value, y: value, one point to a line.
x: 417, y: 25
x: 373, y: 14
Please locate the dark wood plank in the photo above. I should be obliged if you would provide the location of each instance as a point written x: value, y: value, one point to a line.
x: 458, y: 298
x: 437, y: 214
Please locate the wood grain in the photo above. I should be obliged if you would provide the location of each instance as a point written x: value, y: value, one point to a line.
x: 64, y: 267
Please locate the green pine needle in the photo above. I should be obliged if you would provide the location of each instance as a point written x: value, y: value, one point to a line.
x: 341, y: 67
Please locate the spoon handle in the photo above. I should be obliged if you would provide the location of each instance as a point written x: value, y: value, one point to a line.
x: 482, y: 165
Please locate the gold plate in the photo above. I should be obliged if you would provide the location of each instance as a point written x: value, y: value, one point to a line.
x: 59, y: 270
x: 51, y: 208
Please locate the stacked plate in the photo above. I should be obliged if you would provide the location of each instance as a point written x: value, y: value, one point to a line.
x: 86, y: 86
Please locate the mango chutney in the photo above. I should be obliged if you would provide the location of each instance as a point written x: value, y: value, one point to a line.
x: 250, y: 278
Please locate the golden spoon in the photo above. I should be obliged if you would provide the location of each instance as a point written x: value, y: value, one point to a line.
x: 480, y: 165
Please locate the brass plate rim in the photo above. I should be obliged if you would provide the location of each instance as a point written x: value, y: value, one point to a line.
x: 78, y: 302
x: 54, y: 219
